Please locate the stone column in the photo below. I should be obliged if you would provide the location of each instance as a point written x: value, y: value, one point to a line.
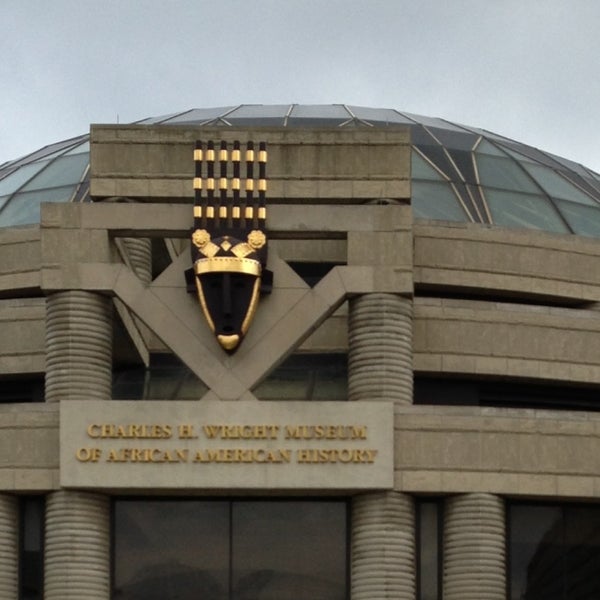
x: 383, y: 524
x: 79, y: 367
x: 474, y: 548
x: 140, y: 255
x: 9, y: 547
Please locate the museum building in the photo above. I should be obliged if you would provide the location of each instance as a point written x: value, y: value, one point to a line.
x: 299, y: 352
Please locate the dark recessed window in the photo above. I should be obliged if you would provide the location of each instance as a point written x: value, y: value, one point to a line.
x: 300, y: 377
x: 504, y: 394
x: 230, y: 550
x: 553, y: 552
x: 31, y: 550
x: 30, y: 389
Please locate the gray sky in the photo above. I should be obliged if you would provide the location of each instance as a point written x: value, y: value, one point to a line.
x: 527, y: 69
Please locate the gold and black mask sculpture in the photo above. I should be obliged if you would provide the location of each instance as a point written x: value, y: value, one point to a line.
x: 229, y: 243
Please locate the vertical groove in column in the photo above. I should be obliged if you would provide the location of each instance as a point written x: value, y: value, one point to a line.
x: 78, y: 346
x: 474, y: 548
x: 77, y: 551
x: 140, y: 255
x: 9, y: 546
x: 380, y: 348
x: 383, y: 547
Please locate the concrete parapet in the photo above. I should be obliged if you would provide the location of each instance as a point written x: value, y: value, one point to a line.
x: 508, y: 340
x: 474, y: 548
x: 77, y: 547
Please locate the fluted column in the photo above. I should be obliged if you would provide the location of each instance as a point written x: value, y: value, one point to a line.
x: 79, y: 367
x: 139, y: 251
x: 77, y: 547
x: 383, y: 546
x: 383, y: 524
x: 380, y: 348
x: 78, y: 346
x: 9, y: 547
x: 474, y: 548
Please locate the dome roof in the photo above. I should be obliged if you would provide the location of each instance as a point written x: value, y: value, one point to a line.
x: 459, y: 173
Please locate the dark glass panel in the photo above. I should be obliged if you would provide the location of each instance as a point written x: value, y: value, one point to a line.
x: 455, y: 140
x: 477, y: 199
x: 464, y: 162
x: 436, y: 201
x: 486, y: 147
x: 307, y: 377
x: 525, y: 153
x: 15, y: 180
x: 535, y: 540
x: 433, y: 122
x: 459, y: 392
x: 306, y: 115
x: 557, y: 186
x: 49, y: 151
x: 171, y: 550
x: 379, y: 116
x: 24, y: 207
x: 63, y: 171
x: 200, y: 115
x: 582, y: 552
x: 429, y: 555
x: 439, y: 158
x: 259, y: 115
x: 421, y: 169
x: 79, y: 149
x: 292, y: 550
x: 27, y: 389
x: 515, y: 210
x: 31, y: 551
x: 421, y: 137
x: 504, y: 174
x: 583, y: 220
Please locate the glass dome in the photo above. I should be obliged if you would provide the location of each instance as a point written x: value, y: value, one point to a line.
x: 459, y: 173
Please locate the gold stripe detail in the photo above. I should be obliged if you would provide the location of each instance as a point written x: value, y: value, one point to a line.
x: 210, y: 155
x: 249, y: 213
x: 249, y: 185
x: 210, y: 212
x: 262, y: 156
x: 205, y: 310
x: 252, y: 306
x: 210, y: 184
x: 198, y: 154
x: 197, y: 183
x: 236, y: 212
x: 262, y: 185
x: 262, y: 212
x: 222, y: 212
x: 223, y: 154
x: 235, y: 183
x: 227, y: 264
x: 235, y: 155
x: 249, y: 155
x: 223, y: 183
x: 198, y: 211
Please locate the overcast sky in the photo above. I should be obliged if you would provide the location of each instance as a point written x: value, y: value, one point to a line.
x: 527, y: 69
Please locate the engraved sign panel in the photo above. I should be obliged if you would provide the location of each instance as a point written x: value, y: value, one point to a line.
x: 125, y: 445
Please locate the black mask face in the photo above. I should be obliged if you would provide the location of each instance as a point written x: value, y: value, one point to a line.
x: 228, y: 285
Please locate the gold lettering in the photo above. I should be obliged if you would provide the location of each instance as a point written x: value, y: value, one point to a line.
x: 186, y: 432
x: 88, y: 454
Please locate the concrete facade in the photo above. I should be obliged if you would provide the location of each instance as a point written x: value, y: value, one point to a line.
x: 403, y: 299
